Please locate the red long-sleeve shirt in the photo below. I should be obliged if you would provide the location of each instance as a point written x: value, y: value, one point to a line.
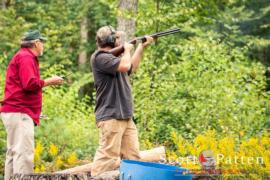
x: 23, y: 89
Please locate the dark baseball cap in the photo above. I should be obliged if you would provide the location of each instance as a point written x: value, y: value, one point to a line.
x: 33, y: 35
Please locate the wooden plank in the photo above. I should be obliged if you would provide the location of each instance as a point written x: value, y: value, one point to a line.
x: 78, y: 169
x: 152, y: 155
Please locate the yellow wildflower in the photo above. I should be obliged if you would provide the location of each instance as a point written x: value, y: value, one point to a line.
x: 53, y: 150
x: 37, y: 170
x: 265, y: 141
x: 253, y: 142
x: 226, y: 146
x: 72, y: 159
x: 242, y: 133
x: 147, y: 144
x: 42, y: 168
x: 172, y: 156
x: 38, y: 151
x: 59, y: 163
x: 251, y: 155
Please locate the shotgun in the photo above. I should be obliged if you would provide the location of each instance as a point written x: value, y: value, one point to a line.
x: 120, y: 49
x: 65, y: 77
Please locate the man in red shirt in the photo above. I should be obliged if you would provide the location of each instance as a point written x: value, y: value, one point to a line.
x: 22, y: 102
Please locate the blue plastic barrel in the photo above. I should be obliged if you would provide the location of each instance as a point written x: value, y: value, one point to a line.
x: 138, y: 170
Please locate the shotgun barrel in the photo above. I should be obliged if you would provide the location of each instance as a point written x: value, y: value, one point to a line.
x: 120, y: 49
x: 156, y: 35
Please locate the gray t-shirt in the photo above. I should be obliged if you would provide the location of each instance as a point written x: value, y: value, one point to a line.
x: 113, y: 89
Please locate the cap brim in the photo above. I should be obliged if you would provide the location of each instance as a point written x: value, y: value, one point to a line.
x: 43, y: 39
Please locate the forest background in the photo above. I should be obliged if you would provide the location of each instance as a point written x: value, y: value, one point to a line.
x: 204, y: 88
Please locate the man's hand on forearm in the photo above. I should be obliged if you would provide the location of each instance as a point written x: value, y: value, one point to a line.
x: 125, y: 62
x: 55, y: 80
x: 149, y: 40
x: 137, y: 56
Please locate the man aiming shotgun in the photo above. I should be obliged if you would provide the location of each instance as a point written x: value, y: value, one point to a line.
x: 112, y: 64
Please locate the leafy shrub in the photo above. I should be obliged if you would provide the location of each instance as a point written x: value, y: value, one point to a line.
x: 70, y: 122
x: 234, y: 154
x: 199, y: 85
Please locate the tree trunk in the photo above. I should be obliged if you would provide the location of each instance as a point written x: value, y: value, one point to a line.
x: 84, y: 38
x: 128, y: 25
x: 3, y: 4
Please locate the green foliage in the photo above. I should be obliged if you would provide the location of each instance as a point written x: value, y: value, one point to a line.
x: 204, y: 78
x: 208, y: 86
x: 212, y: 75
x: 70, y: 122
x: 2, y: 128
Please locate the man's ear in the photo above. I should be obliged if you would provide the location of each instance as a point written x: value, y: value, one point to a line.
x: 35, y: 44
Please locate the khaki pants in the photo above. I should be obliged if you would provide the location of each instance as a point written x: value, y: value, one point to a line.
x: 118, y: 139
x: 20, y: 144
